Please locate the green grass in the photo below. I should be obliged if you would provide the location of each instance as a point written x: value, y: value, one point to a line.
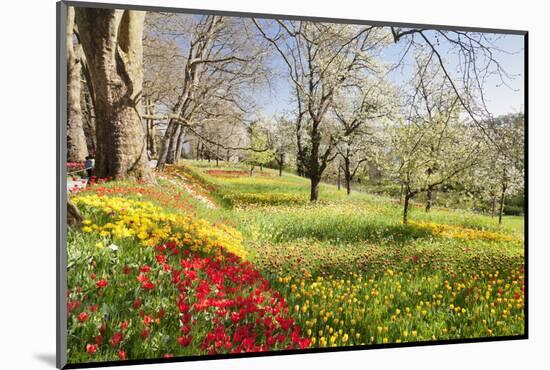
x: 288, y: 237
x: 348, y: 268
x: 280, y: 206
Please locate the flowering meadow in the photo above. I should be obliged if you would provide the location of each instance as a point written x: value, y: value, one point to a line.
x: 211, y: 260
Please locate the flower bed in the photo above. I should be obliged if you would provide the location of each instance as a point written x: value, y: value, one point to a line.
x: 121, y: 217
x: 146, y: 283
x: 180, y: 303
x: 75, y: 166
x: 459, y: 232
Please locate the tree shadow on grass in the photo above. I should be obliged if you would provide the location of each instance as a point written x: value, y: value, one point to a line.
x: 351, y: 232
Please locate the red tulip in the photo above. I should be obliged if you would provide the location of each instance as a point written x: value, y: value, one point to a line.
x: 147, y: 320
x: 137, y: 303
x: 148, y: 285
x: 184, y: 341
x: 116, y: 339
x: 145, y: 268
x: 82, y: 317
x: 91, y: 348
x: 142, y: 278
x: 102, y: 283
x: 145, y: 334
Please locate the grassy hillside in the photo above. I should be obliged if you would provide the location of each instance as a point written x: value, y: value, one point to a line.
x: 432, y: 261
x: 213, y: 260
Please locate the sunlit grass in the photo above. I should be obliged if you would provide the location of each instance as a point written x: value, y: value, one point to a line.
x: 350, y: 272
x: 449, y: 274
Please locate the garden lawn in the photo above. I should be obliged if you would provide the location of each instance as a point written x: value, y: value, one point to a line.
x: 157, y: 271
x: 354, y: 274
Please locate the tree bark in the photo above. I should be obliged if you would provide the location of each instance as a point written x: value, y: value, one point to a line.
x: 150, y: 129
x: 112, y: 42
x: 339, y: 174
x: 218, y: 153
x: 183, y: 108
x: 179, y: 145
x: 406, y: 208
x: 429, y: 202
x: 88, y: 114
x: 314, y: 170
x: 74, y: 217
x: 314, y: 191
x: 167, y: 143
x: 501, y: 207
x: 280, y: 159
x: 172, y: 145
x: 152, y: 142
x: 77, y: 150
x: 347, y: 175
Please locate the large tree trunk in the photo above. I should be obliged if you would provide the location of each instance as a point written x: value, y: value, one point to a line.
x: 281, y: 163
x: 179, y: 145
x: 152, y: 144
x: 347, y: 175
x: 88, y: 104
x: 314, y: 190
x: 88, y: 114
x: 339, y: 174
x: 198, y: 50
x: 406, y: 208
x: 314, y: 169
x: 150, y: 129
x: 147, y: 127
x: 429, y: 201
x: 77, y: 150
x: 112, y: 42
x: 501, y: 207
x: 314, y: 187
x: 218, y: 153
x: 165, y: 143
x: 198, y: 150
x: 172, y: 145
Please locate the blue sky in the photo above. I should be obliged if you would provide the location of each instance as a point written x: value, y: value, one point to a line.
x: 500, y: 99
x: 503, y: 99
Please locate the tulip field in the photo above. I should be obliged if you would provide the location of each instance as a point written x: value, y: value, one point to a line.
x: 214, y: 260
